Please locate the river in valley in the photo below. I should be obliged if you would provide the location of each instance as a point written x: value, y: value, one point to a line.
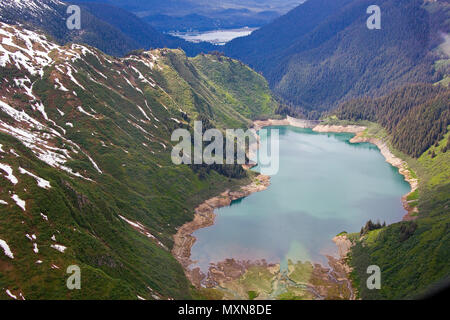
x: 325, y: 185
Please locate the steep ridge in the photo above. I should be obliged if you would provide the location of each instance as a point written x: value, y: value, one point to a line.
x: 50, y: 17
x: 85, y: 171
x: 271, y: 40
x: 108, y: 28
x: 141, y: 32
x: 416, y: 116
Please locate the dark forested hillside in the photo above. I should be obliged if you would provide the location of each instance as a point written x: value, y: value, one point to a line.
x: 322, y: 52
x: 144, y: 35
x: 225, y: 19
x: 416, y: 116
x: 188, y: 15
x: 111, y: 29
x: 270, y: 41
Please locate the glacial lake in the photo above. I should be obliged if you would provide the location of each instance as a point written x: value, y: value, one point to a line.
x: 325, y: 185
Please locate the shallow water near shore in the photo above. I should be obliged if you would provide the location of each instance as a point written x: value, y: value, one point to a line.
x: 325, y: 185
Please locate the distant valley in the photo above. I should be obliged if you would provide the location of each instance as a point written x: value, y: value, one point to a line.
x: 217, y: 37
x: 199, y: 15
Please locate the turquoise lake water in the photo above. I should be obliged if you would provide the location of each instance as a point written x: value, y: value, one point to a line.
x: 325, y: 185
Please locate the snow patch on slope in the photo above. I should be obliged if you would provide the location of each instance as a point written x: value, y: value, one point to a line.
x: 21, y: 203
x: 9, y: 171
x: 32, y: 54
x: 59, y: 247
x: 40, y: 182
x: 38, y: 142
x: 6, y: 249
x: 142, y: 229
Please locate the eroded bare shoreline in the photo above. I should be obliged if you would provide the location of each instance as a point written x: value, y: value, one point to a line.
x: 204, y: 217
x: 289, y: 121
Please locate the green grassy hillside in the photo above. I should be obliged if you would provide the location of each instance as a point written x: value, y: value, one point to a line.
x: 413, y: 255
x: 98, y: 130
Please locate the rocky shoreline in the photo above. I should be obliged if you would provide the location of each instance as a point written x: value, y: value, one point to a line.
x: 338, y: 129
x: 204, y: 217
x: 343, y: 244
x: 340, y: 266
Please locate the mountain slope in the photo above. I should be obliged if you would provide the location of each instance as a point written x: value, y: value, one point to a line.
x: 226, y: 19
x: 112, y: 30
x: 412, y: 255
x: 181, y: 15
x: 139, y: 31
x: 86, y: 176
x: 271, y: 40
x: 416, y: 116
x: 322, y: 53
x: 50, y: 16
